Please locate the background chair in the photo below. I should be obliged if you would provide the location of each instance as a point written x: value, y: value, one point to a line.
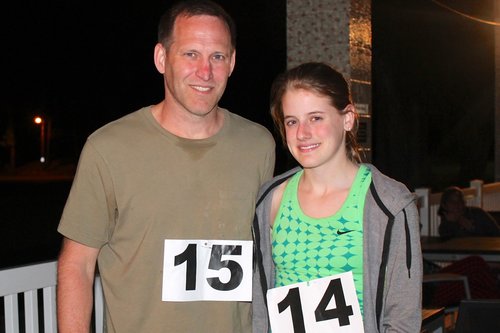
x: 432, y: 281
x: 478, y: 316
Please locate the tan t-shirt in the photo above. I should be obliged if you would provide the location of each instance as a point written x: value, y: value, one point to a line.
x: 137, y: 185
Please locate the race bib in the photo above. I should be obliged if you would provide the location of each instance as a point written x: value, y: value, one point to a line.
x: 328, y: 304
x: 207, y: 270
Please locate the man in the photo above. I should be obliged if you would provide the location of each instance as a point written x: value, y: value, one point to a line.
x: 183, y: 169
x: 458, y: 220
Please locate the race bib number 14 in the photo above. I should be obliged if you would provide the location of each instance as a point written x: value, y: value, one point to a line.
x: 328, y: 304
x: 207, y: 270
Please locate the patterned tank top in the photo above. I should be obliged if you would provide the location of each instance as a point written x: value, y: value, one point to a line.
x: 306, y: 248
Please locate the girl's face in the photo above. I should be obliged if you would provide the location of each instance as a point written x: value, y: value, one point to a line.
x: 315, y: 130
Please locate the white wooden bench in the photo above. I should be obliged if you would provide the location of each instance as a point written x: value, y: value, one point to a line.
x: 30, y: 281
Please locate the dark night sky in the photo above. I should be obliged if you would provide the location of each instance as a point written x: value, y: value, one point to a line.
x: 84, y: 63
x: 78, y: 63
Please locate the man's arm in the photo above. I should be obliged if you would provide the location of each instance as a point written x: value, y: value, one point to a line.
x: 486, y: 223
x: 75, y: 278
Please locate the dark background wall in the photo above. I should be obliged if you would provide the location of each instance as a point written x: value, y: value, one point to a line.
x: 433, y: 92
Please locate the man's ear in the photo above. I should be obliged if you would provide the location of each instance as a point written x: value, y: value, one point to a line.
x: 233, y: 62
x: 159, y: 57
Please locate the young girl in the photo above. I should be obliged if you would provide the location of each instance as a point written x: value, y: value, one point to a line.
x: 334, y: 214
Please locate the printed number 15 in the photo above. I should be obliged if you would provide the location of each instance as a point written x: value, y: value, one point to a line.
x: 216, y: 263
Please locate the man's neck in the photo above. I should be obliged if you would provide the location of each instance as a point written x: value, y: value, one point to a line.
x: 187, y: 125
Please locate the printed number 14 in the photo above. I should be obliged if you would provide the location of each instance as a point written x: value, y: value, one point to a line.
x: 341, y: 312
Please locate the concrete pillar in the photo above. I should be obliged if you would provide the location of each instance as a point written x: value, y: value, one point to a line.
x: 337, y: 32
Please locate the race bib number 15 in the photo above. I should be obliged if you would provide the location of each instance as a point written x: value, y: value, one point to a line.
x: 207, y: 270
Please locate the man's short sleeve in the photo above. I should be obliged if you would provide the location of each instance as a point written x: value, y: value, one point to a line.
x: 89, y: 212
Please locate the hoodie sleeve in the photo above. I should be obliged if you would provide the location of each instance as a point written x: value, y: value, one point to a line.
x: 403, y: 300
x: 263, y: 267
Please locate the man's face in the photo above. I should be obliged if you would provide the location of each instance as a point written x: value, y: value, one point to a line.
x: 455, y: 204
x: 197, y: 64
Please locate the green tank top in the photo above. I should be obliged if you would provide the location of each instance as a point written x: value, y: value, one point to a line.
x: 306, y: 248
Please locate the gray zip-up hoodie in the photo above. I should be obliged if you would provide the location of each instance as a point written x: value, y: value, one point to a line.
x: 392, y: 258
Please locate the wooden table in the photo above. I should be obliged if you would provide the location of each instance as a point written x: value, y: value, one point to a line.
x: 432, y: 320
x: 437, y: 249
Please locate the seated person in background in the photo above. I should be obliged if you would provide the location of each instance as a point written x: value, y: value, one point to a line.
x: 458, y: 220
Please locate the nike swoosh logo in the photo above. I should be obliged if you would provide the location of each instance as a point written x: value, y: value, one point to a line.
x: 343, y: 232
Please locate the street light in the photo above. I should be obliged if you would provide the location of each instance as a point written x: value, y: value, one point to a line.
x: 40, y: 121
